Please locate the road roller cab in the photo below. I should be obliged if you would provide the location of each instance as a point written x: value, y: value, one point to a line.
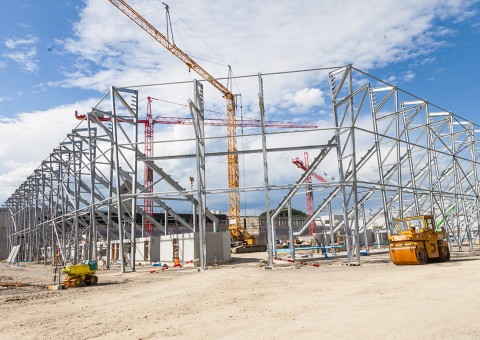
x: 416, y: 240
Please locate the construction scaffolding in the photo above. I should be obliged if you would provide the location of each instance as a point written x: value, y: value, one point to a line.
x: 390, y: 152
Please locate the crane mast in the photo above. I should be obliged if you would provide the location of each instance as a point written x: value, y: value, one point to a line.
x: 232, y: 158
x: 148, y: 181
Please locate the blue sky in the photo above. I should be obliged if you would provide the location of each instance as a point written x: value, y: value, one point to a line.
x: 449, y: 78
x: 58, y: 56
x: 32, y: 55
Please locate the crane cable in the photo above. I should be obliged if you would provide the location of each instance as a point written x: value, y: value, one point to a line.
x: 229, y: 77
x: 199, y: 37
x: 169, y: 23
x: 168, y: 19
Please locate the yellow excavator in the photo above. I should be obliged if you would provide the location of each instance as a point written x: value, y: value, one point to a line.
x: 243, y: 242
x: 416, y: 241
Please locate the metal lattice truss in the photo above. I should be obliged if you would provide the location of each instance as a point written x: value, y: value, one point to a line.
x: 90, y: 183
x: 395, y: 155
x: 426, y: 157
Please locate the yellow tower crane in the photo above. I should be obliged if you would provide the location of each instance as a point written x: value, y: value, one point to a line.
x: 236, y: 231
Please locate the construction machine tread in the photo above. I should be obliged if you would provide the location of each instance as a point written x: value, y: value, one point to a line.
x: 249, y: 248
x: 91, y: 280
x: 73, y: 282
x: 444, y: 254
x: 422, y: 256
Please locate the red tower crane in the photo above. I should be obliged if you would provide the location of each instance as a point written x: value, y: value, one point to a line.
x: 149, y: 123
x: 310, y: 205
x: 148, y: 181
x: 309, y: 193
x: 213, y: 122
x: 304, y: 167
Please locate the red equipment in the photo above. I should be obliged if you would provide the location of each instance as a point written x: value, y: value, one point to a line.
x: 310, y: 206
x: 149, y: 123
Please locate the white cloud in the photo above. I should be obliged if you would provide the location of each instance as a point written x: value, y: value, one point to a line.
x: 405, y: 77
x: 24, y: 26
x: 265, y: 36
x: 23, y: 52
x: 13, y: 43
x: 28, y: 138
x: 25, y: 59
x: 305, y: 99
x: 391, y: 79
x: 409, y: 75
x: 260, y: 36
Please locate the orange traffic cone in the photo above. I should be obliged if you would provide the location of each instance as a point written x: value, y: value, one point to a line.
x: 176, y: 262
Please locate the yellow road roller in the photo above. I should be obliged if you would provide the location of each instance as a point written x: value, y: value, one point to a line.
x: 79, y: 275
x: 416, y: 240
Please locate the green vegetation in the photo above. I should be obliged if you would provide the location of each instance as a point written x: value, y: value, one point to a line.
x: 284, y: 213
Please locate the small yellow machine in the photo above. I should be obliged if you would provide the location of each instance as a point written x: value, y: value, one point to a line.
x: 416, y: 241
x: 81, y: 274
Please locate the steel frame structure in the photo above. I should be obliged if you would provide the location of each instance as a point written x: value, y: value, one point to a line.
x: 396, y: 154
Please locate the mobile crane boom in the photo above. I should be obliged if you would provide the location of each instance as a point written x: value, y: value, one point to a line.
x: 232, y: 158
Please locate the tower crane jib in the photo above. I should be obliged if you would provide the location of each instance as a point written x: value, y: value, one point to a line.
x: 232, y: 158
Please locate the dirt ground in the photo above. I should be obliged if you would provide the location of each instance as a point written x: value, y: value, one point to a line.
x: 376, y: 300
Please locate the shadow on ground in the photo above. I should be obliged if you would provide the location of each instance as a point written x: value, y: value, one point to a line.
x: 242, y: 260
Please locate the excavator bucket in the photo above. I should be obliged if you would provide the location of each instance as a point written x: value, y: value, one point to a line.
x: 401, y: 254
